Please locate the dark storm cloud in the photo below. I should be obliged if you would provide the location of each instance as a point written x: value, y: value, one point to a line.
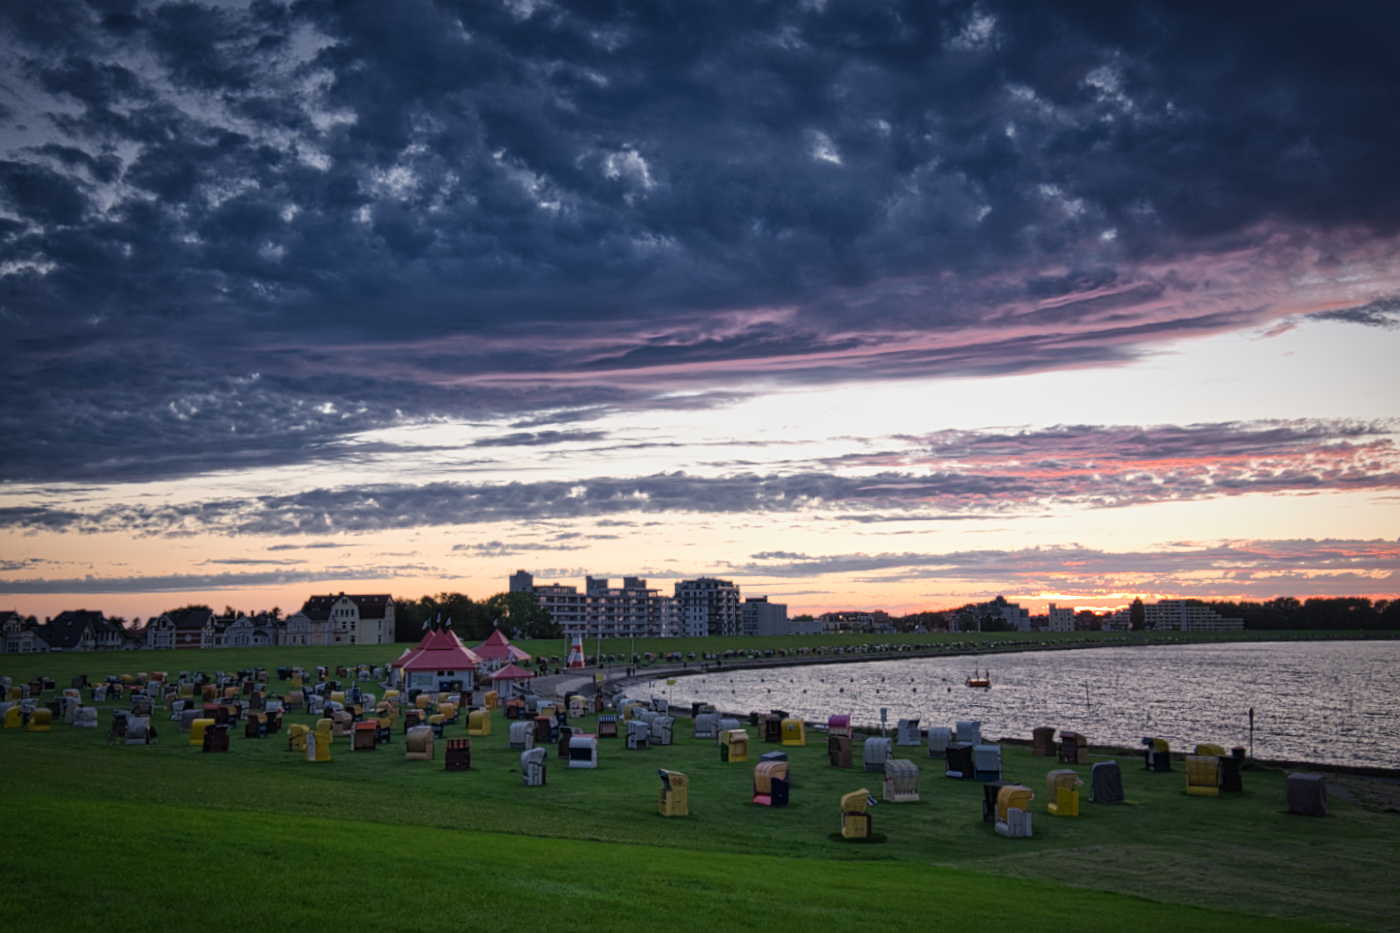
x: 1219, y: 447
x: 190, y: 582
x: 1384, y: 313
x: 1008, y: 474
x: 540, y: 438
x: 402, y: 208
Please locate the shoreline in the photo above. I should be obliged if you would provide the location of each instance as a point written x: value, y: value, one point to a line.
x: 582, y: 682
x: 618, y: 682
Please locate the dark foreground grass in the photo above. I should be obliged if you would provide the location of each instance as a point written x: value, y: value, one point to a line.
x: 80, y: 864
x: 316, y: 833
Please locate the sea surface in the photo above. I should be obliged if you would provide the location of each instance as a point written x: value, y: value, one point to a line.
x: 1326, y: 701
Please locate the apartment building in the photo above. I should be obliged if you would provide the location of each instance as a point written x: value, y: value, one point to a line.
x: 1176, y: 614
x: 1060, y: 619
x: 757, y: 616
x: 602, y: 610
x: 708, y: 606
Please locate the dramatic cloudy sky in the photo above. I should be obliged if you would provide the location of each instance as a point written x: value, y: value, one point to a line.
x: 857, y: 303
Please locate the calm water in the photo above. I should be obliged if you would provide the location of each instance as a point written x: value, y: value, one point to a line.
x: 1316, y: 701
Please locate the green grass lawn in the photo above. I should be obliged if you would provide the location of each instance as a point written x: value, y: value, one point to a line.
x: 63, y: 666
x: 261, y: 835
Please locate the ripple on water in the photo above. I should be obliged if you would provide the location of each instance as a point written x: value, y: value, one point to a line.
x: 1313, y: 701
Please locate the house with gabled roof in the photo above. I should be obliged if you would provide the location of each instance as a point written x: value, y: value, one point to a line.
x: 307, y: 627
x: 81, y: 630
x: 179, y: 628
x: 259, y: 631
x: 212, y: 635
x: 19, y: 635
x: 342, y: 619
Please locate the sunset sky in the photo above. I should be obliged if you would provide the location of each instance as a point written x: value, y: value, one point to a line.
x: 859, y: 304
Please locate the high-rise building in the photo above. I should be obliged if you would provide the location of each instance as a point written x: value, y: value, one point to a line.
x: 601, y: 610
x: 1061, y: 619
x: 708, y: 606
x: 757, y: 616
x: 1010, y: 613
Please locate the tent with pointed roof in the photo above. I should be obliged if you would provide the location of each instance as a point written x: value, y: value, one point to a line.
x: 509, y: 679
x: 439, y: 661
x: 497, y: 649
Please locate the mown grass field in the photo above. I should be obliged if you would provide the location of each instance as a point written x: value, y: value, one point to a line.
x: 165, y: 837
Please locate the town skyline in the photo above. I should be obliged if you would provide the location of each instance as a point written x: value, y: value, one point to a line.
x: 902, y: 306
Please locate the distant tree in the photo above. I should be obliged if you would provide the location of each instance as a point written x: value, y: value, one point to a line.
x: 409, y: 616
x: 805, y: 617
x: 1137, y: 614
x: 929, y: 621
x: 519, y: 615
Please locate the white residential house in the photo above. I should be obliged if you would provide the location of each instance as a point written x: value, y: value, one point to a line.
x: 342, y: 619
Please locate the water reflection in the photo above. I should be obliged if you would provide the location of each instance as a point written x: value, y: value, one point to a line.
x: 1313, y: 701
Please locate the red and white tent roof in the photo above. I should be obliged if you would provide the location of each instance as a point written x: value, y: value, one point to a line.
x: 440, y: 650
x: 499, y: 648
x: 511, y: 672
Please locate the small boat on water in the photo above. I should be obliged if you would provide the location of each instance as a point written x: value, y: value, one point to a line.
x: 981, y: 679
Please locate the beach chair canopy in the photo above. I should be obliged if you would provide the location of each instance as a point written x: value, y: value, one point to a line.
x: 877, y: 752
x: 986, y: 762
x: 418, y: 743
x: 522, y: 734
x: 1203, y: 775
x: 908, y: 732
x: 857, y: 801
x: 1307, y: 794
x: 901, y: 781
x: 1106, y: 783
x: 765, y: 771
x: 674, y: 797
x: 1013, y: 797
x: 583, y: 751
x: 794, y: 732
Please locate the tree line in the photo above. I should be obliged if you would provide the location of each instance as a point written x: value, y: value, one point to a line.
x: 1320, y: 613
x: 518, y: 615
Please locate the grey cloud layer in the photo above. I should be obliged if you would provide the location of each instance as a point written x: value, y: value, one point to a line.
x: 376, y: 206
x: 1258, y: 569
x: 973, y: 474
x: 1252, y: 568
x: 187, y: 583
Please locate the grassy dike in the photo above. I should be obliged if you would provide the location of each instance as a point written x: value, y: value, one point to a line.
x: 163, y: 837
